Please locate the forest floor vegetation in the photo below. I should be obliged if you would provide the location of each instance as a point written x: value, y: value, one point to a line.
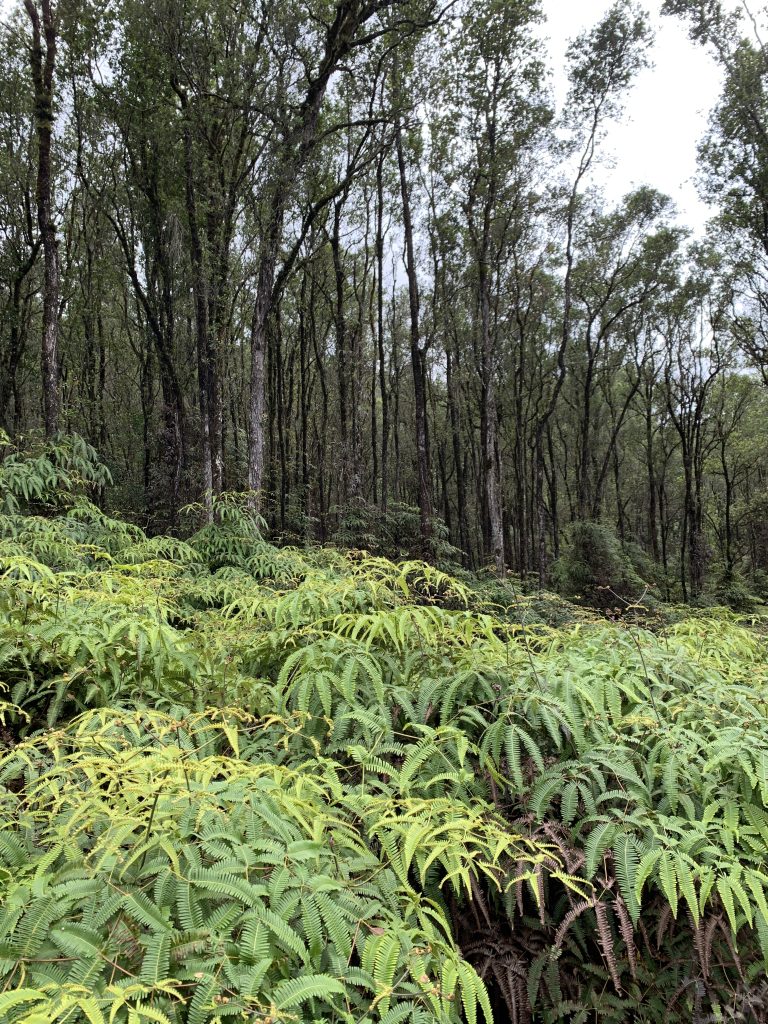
x: 243, y: 782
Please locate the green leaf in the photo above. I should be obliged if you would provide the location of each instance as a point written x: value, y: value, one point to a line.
x: 668, y: 880
x: 647, y: 864
x: 627, y: 866
x: 295, y: 991
x: 598, y: 841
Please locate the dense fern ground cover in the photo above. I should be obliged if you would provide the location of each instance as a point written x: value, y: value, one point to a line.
x: 248, y: 783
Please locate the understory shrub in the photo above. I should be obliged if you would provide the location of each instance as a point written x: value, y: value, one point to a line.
x: 394, y: 532
x: 597, y: 569
x: 732, y: 589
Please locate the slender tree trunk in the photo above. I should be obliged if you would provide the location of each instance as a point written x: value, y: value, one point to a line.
x: 200, y: 290
x: 728, y: 511
x: 521, y: 483
x: 219, y: 245
x: 383, y: 389
x: 617, y: 487
x: 491, y: 477
x: 664, y: 534
x: 461, y: 489
x: 43, y: 62
x: 541, y: 509
x: 257, y: 404
x: 347, y: 371
x: 145, y: 390
x: 417, y: 357
x: 554, y: 512
x: 17, y: 339
x: 304, y: 399
x: 280, y: 416
x: 698, y: 540
x: 374, y: 436
x: 585, y: 448
x: 100, y: 403
x: 653, y: 528
x: 687, y: 526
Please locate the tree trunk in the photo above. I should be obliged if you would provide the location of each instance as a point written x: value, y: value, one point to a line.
x: 461, y: 490
x: 491, y: 477
x: 42, y: 63
x: 653, y: 529
x: 17, y: 340
x: 383, y: 390
x: 541, y: 509
x: 205, y: 368
x: 417, y: 357
x: 257, y: 404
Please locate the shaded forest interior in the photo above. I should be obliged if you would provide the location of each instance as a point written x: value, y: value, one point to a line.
x: 349, y: 256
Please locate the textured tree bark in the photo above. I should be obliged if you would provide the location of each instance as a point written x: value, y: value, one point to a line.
x: 42, y: 64
x: 418, y: 363
x: 458, y: 460
x: 583, y: 488
x: 541, y: 508
x: 17, y: 335
x: 205, y: 367
x: 304, y: 398
x: 383, y: 389
x: 653, y: 529
x: 257, y: 405
x: 490, y: 419
x: 350, y: 455
x: 520, y: 514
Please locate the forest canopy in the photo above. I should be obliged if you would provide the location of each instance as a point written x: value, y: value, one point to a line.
x: 350, y: 256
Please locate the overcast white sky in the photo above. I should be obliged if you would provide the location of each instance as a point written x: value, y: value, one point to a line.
x: 666, y: 113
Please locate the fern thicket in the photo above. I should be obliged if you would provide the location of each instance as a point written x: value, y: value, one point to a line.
x: 242, y: 782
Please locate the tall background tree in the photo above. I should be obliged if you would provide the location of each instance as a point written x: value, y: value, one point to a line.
x: 42, y: 63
